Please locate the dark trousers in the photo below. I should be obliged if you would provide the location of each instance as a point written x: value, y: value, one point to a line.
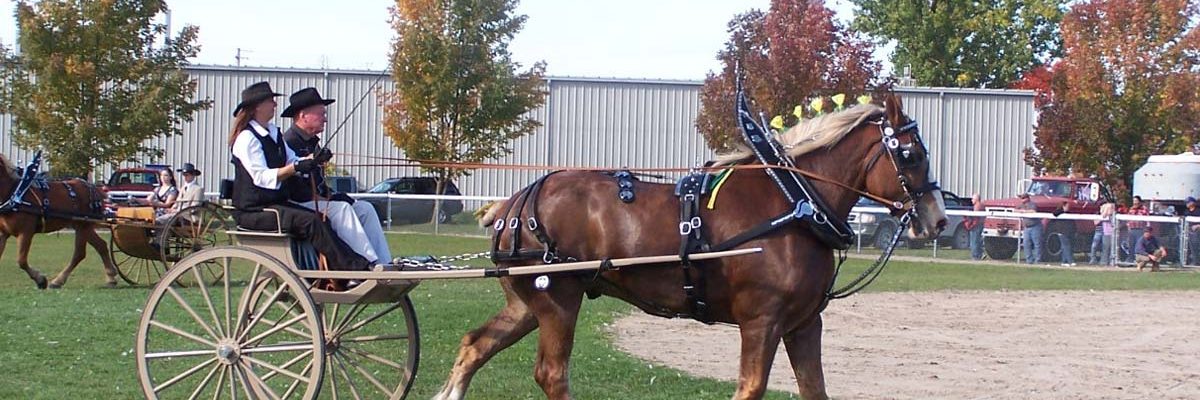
x: 305, y: 224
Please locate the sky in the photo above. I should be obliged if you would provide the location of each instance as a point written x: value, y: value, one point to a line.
x: 652, y: 39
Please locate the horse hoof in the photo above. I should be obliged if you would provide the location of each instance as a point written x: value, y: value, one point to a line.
x: 41, y: 282
x: 110, y: 285
x: 53, y: 285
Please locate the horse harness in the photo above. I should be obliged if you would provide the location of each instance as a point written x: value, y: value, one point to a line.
x: 30, y: 179
x: 809, y: 209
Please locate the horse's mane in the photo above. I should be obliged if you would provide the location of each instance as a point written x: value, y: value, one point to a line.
x: 7, y: 166
x: 822, y: 131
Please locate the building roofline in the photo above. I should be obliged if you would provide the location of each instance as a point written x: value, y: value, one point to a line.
x: 683, y: 82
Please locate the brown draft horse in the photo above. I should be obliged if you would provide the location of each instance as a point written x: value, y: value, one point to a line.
x: 24, y: 224
x: 772, y: 296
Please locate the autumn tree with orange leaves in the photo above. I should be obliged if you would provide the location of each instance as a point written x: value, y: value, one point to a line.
x: 459, y: 97
x: 791, y: 52
x: 1125, y: 89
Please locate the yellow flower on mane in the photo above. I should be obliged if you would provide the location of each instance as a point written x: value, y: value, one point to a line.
x: 838, y: 99
x: 777, y: 122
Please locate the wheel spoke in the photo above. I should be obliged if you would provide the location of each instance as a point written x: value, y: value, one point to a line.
x: 183, y: 375
x: 241, y: 376
x: 376, y: 358
x: 292, y: 388
x: 246, y: 297
x: 190, y: 311
x: 220, y: 382
x: 366, y: 321
x: 350, y: 316
x: 272, y: 331
x: 368, y: 375
x: 267, y: 365
x: 277, y: 348
x: 228, y: 272
x: 259, y: 386
x: 179, y: 354
x: 346, y: 375
x: 374, y: 338
x: 212, y: 311
x: 180, y: 332
x: 288, y: 364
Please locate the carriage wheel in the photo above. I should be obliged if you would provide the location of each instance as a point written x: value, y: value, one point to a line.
x: 193, y: 229
x: 254, y: 334
x: 371, y: 350
x: 135, y: 270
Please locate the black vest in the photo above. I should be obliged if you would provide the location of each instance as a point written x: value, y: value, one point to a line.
x: 250, y: 197
x: 301, y: 186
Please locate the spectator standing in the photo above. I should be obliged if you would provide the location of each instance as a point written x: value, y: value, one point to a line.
x: 1193, y: 210
x: 1032, y: 231
x: 1102, y: 237
x: 1066, y: 235
x: 974, y: 226
x: 1138, y: 208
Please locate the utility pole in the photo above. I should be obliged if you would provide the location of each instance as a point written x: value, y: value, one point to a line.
x: 239, y: 57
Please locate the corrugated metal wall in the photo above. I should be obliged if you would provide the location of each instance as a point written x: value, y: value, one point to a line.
x: 976, y: 136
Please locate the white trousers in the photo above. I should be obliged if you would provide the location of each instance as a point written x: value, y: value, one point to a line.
x: 358, y: 226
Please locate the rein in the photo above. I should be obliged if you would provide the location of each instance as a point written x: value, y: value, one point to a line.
x: 407, y: 162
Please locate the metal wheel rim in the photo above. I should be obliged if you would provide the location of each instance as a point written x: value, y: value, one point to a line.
x: 357, y: 366
x: 243, y: 354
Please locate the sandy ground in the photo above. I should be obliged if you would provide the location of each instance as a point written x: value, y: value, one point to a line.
x: 969, y: 345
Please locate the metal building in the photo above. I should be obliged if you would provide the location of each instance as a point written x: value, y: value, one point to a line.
x: 976, y: 136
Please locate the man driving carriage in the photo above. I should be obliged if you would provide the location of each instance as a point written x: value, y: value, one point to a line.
x: 308, y: 112
x: 263, y: 165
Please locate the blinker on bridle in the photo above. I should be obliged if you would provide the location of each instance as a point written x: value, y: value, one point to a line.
x: 903, y: 159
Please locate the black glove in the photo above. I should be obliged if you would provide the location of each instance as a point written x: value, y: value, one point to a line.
x: 323, y: 156
x: 306, y: 166
x: 342, y: 197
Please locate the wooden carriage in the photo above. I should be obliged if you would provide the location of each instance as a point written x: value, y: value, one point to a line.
x: 144, y: 250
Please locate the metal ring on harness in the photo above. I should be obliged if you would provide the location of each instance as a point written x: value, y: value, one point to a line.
x: 547, y: 258
x: 514, y: 223
x: 695, y: 222
x: 533, y: 224
x: 499, y: 225
x: 892, y: 142
x: 820, y: 218
x: 685, y: 228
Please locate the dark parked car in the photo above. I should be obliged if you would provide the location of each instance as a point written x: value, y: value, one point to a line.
x: 413, y: 210
x: 876, y: 229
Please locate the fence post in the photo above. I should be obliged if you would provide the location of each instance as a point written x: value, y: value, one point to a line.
x: 1184, y: 240
x: 389, y: 211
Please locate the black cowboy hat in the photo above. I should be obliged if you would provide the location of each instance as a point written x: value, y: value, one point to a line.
x: 188, y: 168
x: 305, y: 98
x: 255, y: 94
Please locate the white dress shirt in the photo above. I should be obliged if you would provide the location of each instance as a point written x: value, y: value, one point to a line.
x: 247, y: 149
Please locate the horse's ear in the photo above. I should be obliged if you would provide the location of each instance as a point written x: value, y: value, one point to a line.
x: 894, y: 109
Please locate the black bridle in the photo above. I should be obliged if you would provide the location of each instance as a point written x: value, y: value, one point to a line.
x: 903, y: 159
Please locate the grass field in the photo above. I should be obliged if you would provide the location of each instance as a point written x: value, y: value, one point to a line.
x: 78, y: 342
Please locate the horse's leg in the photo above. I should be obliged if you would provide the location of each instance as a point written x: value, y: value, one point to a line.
x: 760, y: 339
x: 24, y: 242
x: 3, y: 241
x: 505, y: 328
x: 557, y: 311
x: 98, y: 243
x: 76, y: 257
x: 804, y: 351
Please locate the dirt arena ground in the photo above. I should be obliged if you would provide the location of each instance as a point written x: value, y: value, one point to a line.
x: 969, y: 345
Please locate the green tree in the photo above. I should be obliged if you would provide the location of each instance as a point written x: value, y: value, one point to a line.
x: 985, y: 43
x: 793, y: 51
x: 95, y: 80
x: 1124, y: 90
x: 459, y: 97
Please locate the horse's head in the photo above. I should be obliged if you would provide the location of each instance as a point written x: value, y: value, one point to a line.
x: 899, y: 170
